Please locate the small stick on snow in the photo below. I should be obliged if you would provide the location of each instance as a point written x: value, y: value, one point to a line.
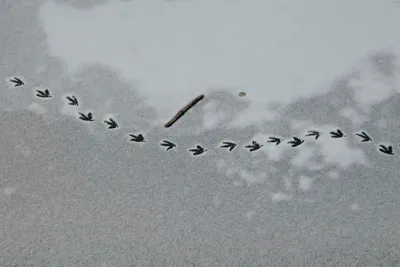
x: 183, y: 111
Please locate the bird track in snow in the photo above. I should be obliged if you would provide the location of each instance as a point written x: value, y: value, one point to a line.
x: 254, y: 146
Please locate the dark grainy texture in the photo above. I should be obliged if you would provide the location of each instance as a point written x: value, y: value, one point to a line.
x: 79, y: 195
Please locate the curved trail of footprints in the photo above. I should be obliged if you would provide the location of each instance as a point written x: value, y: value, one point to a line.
x: 73, y: 101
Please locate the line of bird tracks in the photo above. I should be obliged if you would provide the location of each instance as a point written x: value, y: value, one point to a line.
x: 198, y: 150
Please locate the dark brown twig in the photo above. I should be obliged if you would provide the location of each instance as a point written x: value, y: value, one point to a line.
x: 184, y: 110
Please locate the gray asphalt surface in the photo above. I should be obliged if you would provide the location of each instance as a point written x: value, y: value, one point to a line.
x: 78, y: 196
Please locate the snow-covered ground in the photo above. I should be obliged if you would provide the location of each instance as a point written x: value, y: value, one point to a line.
x: 274, y: 50
x: 278, y: 52
x: 74, y: 193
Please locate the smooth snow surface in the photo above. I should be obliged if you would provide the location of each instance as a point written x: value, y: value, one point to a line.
x: 275, y: 51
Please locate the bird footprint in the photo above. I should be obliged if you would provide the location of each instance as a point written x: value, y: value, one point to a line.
x: 73, y: 101
x: 43, y: 94
x: 296, y: 142
x: 337, y: 134
x: 386, y: 149
x: 168, y: 144
x: 254, y: 146
x: 365, y: 137
x: 112, y: 124
x: 198, y: 150
x: 275, y: 140
x: 17, y: 82
x: 137, y: 138
x: 229, y: 145
x: 86, y: 117
x: 314, y: 133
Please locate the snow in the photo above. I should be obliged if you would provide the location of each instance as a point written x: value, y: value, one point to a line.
x: 355, y: 206
x: 338, y: 152
x: 36, y: 107
x: 23, y: 149
x: 212, y: 117
x: 249, y: 215
x: 278, y: 197
x: 333, y: 175
x: 274, y: 152
x: 8, y: 190
x: 252, y: 178
x: 116, y: 55
x: 370, y: 86
x: 306, y: 158
x: 353, y: 116
x: 305, y: 183
x: 334, y: 151
x: 288, y: 184
x: 275, y: 51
